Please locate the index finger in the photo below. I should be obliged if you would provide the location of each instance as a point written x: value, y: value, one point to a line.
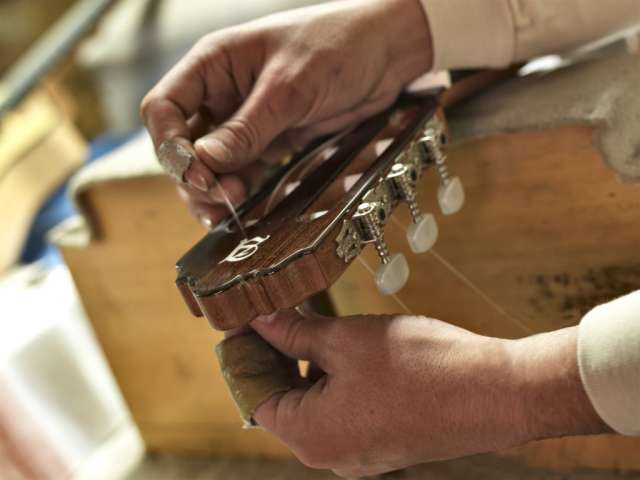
x: 169, y: 109
x: 166, y: 109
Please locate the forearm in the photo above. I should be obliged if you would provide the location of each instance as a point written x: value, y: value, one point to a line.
x: 550, y: 391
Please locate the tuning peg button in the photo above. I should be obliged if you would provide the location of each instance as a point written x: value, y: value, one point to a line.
x: 451, y: 195
x: 423, y: 233
x: 450, y: 192
x: 392, y: 275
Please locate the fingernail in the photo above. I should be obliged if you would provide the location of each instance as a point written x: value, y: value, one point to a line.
x: 267, y: 318
x: 206, y: 222
x: 198, y: 181
x: 217, y: 150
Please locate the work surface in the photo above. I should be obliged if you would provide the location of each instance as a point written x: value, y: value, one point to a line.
x: 479, y: 467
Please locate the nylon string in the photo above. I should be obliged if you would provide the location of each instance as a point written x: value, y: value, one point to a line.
x: 471, y: 285
x: 230, y: 206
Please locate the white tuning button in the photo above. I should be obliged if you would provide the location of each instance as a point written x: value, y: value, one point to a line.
x: 451, y: 195
x: 423, y: 233
x: 450, y: 191
x: 393, y: 274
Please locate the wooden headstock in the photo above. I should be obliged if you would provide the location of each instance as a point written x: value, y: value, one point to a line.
x: 343, y: 192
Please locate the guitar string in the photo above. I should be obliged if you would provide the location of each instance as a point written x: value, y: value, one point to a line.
x: 471, y: 285
x: 304, y: 165
x: 439, y: 258
x: 230, y: 207
x: 513, y: 319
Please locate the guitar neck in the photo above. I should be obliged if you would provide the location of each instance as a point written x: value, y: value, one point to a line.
x: 468, y: 83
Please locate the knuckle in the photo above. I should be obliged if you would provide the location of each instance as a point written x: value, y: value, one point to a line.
x: 154, y: 106
x: 289, y: 88
x: 206, y: 42
x: 146, y: 105
x: 289, y: 92
x: 212, y: 51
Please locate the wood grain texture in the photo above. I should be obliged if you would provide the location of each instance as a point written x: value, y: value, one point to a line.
x: 297, y: 255
x: 548, y: 232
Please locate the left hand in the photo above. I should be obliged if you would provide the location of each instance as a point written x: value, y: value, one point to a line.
x: 278, y: 82
x: 403, y: 390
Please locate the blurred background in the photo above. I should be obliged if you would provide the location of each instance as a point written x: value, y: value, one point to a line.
x: 104, y: 374
x: 72, y: 75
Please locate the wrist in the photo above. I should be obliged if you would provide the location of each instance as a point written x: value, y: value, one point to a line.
x: 404, y: 25
x: 548, y: 387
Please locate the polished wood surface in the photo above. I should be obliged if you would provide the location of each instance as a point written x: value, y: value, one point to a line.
x: 297, y: 258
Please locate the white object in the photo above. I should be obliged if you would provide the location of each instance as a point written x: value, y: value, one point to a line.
x: 392, y: 276
x: 451, y: 196
x: 423, y: 234
x: 609, y: 361
x: 56, y: 381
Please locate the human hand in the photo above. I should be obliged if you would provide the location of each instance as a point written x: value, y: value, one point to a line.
x: 282, y: 80
x: 403, y: 390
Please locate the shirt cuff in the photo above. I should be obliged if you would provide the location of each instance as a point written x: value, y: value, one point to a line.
x: 609, y: 362
x: 470, y: 33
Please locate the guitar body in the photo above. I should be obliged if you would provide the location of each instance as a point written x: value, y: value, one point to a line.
x: 549, y: 229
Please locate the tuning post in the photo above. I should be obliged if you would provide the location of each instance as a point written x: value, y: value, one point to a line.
x: 394, y: 271
x: 369, y: 221
x: 450, y: 192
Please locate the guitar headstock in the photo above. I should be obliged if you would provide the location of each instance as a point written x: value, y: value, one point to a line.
x: 314, y: 217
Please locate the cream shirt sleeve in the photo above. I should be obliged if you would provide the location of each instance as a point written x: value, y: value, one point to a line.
x: 496, y: 33
x: 609, y: 362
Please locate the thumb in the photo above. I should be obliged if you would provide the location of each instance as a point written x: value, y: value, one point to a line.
x: 302, y: 337
x: 240, y: 140
x: 291, y: 415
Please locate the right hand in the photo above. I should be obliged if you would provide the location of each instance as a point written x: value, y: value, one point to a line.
x: 391, y: 391
x: 282, y: 80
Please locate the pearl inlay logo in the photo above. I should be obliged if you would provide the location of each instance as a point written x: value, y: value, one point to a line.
x: 245, y: 249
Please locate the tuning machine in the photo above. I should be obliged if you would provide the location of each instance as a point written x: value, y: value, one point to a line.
x: 450, y: 192
x: 423, y: 231
x: 366, y: 226
x: 369, y: 220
